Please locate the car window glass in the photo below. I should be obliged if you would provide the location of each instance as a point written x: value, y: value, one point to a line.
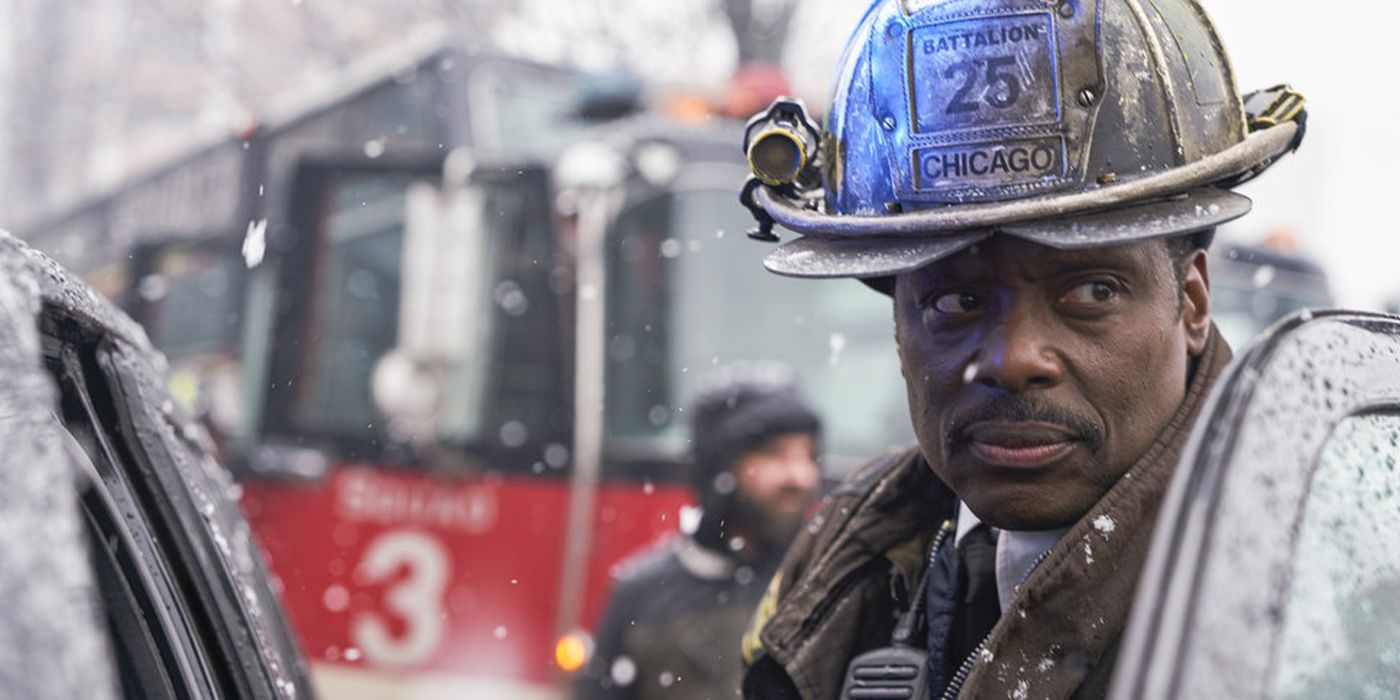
x: 1341, y: 618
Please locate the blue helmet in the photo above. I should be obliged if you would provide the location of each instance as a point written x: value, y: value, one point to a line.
x: 1071, y: 123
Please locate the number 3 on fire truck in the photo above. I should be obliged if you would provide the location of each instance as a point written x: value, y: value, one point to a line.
x: 416, y: 599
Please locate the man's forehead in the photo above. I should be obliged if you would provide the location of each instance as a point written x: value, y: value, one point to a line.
x: 1005, y: 254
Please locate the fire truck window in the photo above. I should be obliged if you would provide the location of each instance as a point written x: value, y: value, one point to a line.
x: 639, y: 395
x: 686, y: 294
x: 506, y: 391
x: 496, y: 389
x: 356, y: 320
x: 188, y: 299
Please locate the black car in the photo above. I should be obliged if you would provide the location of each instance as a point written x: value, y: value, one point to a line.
x: 1275, y: 567
x: 126, y: 567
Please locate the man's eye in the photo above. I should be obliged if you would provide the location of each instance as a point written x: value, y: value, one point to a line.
x: 957, y: 303
x: 1091, y: 293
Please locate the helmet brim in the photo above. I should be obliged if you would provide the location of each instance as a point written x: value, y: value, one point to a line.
x: 820, y: 258
x: 1197, y: 210
x: 871, y: 257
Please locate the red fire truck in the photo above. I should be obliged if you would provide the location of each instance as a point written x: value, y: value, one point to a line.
x: 445, y: 330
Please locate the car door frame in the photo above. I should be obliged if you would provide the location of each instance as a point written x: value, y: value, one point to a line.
x: 194, y: 556
x: 1208, y: 615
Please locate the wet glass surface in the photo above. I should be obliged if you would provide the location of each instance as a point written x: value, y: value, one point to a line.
x: 1341, y: 618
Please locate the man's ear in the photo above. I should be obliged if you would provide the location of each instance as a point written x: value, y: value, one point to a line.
x: 1195, y: 305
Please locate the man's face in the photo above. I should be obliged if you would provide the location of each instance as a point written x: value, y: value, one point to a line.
x: 779, y: 479
x: 1037, y: 377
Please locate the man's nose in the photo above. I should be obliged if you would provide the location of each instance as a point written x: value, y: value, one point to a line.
x: 801, y: 472
x: 1016, y: 354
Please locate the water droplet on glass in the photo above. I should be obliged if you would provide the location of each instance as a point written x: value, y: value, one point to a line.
x: 374, y: 148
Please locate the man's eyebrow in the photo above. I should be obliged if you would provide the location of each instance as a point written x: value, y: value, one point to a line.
x: 1073, y: 261
x: 952, y: 274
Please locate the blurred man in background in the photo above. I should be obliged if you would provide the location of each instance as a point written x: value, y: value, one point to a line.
x: 678, y: 610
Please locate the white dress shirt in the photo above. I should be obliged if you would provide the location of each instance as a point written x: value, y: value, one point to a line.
x: 1018, y: 551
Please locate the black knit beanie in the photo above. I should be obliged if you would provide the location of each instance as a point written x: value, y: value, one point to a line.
x: 740, y: 409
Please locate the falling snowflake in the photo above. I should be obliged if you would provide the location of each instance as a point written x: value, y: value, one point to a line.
x: 255, y: 243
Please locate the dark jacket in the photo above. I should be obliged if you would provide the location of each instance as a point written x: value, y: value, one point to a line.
x: 845, y: 581
x: 673, y: 624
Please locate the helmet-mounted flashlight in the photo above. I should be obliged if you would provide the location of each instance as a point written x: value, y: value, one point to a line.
x: 782, y: 145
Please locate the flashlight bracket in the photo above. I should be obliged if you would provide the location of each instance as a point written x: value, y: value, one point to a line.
x: 764, y: 231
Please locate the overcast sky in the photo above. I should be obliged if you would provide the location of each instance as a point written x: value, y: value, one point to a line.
x: 1339, y: 191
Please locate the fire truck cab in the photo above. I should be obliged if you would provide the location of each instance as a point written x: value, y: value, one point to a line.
x: 445, y: 329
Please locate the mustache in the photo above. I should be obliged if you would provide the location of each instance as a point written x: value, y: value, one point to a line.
x: 1021, y: 409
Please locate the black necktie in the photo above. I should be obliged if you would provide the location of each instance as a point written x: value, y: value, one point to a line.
x: 977, y: 584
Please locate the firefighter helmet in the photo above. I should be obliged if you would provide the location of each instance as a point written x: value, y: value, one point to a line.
x: 1070, y: 123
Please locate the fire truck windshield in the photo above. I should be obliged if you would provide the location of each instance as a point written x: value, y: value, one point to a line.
x: 686, y: 293
x: 366, y: 308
